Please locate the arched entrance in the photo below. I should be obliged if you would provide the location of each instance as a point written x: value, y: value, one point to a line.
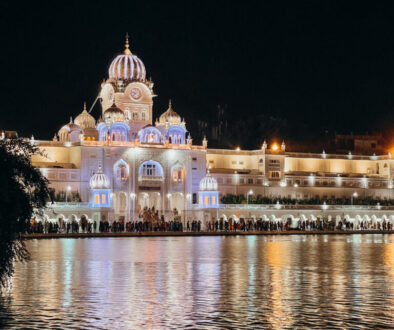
x: 120, y: 203
x: 177, y: 201
x: 142, y: 201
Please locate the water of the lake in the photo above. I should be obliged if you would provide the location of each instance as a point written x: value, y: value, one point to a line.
x: 204, y: 282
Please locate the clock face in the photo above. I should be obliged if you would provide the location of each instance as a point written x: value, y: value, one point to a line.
x: 135, y: 93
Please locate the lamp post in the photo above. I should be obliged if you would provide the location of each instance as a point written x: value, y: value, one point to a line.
x: 67, y: 192
x: 132, y: 196
x: 266, y: 184
x: 353, y: 195
x: 250, y: 192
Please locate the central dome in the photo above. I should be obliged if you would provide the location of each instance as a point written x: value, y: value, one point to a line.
x: 127, y: 66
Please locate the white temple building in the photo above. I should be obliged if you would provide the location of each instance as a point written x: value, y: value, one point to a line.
x: 123, y: 162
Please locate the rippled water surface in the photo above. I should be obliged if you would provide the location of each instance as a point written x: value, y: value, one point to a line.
x: 204, y: 282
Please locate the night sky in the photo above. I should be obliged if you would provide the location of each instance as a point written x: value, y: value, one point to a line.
x: 298, y: 70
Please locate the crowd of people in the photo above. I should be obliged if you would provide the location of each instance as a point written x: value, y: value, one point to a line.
x: 149, y: 221
x: 48, y: 227
x: 304, y: 225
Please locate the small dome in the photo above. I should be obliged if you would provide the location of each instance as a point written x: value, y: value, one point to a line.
x: 84, y: 119
x: 67, y: 129
x: 127, y: 66
x: 170, y: 116
x: 113, y: 114
x: 208, y: 183
x: 70, y: 126
x: 99, y: 180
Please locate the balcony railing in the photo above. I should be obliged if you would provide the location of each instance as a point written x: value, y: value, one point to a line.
x: 324, y: 207
x: 150, y: 178
x: 69, y: 205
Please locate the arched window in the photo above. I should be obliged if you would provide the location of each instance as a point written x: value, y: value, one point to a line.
x: 176, y: 134
x: 177, y: 172
x: 121, y: 173
x: 150, y: 170
x: 135, y: 115
x: 149, y: 134
x: 121, y: 170
x: 177, y: 175
x: 143, y: 116
x: 127, y: 114
x: 103, y: 131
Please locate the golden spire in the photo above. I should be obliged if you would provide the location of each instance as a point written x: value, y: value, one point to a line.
x: 84, y: 106
x: 169, y: 104
x: 127, y: 50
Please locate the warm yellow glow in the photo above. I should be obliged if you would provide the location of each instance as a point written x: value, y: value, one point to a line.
x: 237, y: 148
x: 274, y: 147
x: 103, y: 200
x: 96, y: 198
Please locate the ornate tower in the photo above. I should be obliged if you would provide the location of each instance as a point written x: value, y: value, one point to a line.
x: 100, y: 193
x: 128, y: 88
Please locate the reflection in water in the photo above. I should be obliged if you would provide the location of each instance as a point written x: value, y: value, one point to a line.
x: 242, y: 281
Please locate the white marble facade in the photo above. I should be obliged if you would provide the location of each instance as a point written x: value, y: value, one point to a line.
x: 156, y: 164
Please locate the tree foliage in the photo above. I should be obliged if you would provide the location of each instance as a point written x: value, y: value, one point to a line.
x: 23, y: 192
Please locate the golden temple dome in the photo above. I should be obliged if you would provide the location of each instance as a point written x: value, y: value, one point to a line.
x: 84, y: 119
x: 170, y: 116
x: 113, y: 114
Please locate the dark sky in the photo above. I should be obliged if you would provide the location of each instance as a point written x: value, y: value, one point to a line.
x: 319, y: 65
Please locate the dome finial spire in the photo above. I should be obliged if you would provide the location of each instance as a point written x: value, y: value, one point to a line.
x: 84, y: 106
x: 169, y: 104
x: 127, y: 45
